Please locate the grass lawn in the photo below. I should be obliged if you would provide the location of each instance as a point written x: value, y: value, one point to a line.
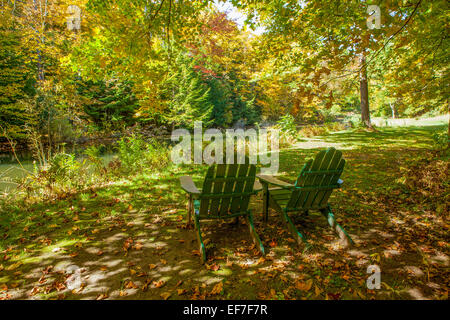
x: 128, y: 239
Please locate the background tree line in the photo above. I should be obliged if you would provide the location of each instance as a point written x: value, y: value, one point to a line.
x: 172, y: 62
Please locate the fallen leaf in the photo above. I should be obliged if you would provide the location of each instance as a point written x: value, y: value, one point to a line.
x: 14, y: 266
x: 317, y: 291
x: 217, y: 288
x: 304, y: 286
x: 146, y: 284
x: 166, y: 295
x: 213, y: 267
x: 159, y: 284
x: 130, y: 285
x: 102, y: 296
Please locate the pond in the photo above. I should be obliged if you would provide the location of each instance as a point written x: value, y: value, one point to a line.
x: 11, y: 171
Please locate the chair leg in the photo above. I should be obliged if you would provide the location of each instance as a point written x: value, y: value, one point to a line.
x: 202, y: 248
x: 235, y: 221
x: 335, y: 226
x: 255, y: 237
x: 190, y: 211
x: 266, y: 202
x: 295, y: 233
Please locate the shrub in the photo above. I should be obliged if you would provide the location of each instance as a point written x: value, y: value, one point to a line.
x: 63, y: 174
x: 354, y: 121
x: 93, y: 154
x: 440, y: 140
x: 328, y: 115
x: 62, y: 168
x: 286, y: 124
x: 135, y: 154
x: 288, y: 129
x: 335, y: 126
x: 311, y: 131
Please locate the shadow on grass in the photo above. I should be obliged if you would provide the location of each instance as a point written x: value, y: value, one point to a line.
x: 129, y: 241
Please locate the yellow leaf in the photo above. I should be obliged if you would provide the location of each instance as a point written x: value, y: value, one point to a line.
x: 304, y: 286
x: 122, y: 293
x: 102, y: 296
x: 131, y: 285
x: 159, y: 284
x: 317, y: 291
x: 360, y: 295
x: 14, y: 266
x: 217, y: 288
x: 166, y: 295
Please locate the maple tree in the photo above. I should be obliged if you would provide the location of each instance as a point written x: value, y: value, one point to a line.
x: 327, y: 44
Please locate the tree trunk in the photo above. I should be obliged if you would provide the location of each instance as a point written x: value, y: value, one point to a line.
x: 393, y: 110
x: 364, y: 91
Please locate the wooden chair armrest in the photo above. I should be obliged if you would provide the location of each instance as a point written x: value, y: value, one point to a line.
x: 271, y: 180
x: 257, y: 186
x: 188, y: 185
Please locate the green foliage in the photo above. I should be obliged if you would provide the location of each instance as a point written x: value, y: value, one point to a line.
x: 93, y: 154
x: 109, y: 104
x: 16, y: 84
x: 312, y: 131
x: 136, y: 154
x: 287, y: 125
x: 219, y: 96
x: 63, y: 168
x: 245, y: 110
x: 185, y: 93
x: 330, y: 115
x: 440, y: 140
x: 62, y: 175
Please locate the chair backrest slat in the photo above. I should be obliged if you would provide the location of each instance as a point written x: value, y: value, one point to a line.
x: 338, y: 163
x: 227, y: 189
x: 248, y: 188
x: 221, y: 170
x: 207, y: 188
x: 239, y: 188
x: 317, y: 180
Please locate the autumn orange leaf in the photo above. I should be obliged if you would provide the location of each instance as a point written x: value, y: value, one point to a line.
x: 304, y: 286
x: 217, y: 289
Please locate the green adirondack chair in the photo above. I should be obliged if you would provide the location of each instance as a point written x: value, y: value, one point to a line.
x: 226, y: 193
x: 311, y: 191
